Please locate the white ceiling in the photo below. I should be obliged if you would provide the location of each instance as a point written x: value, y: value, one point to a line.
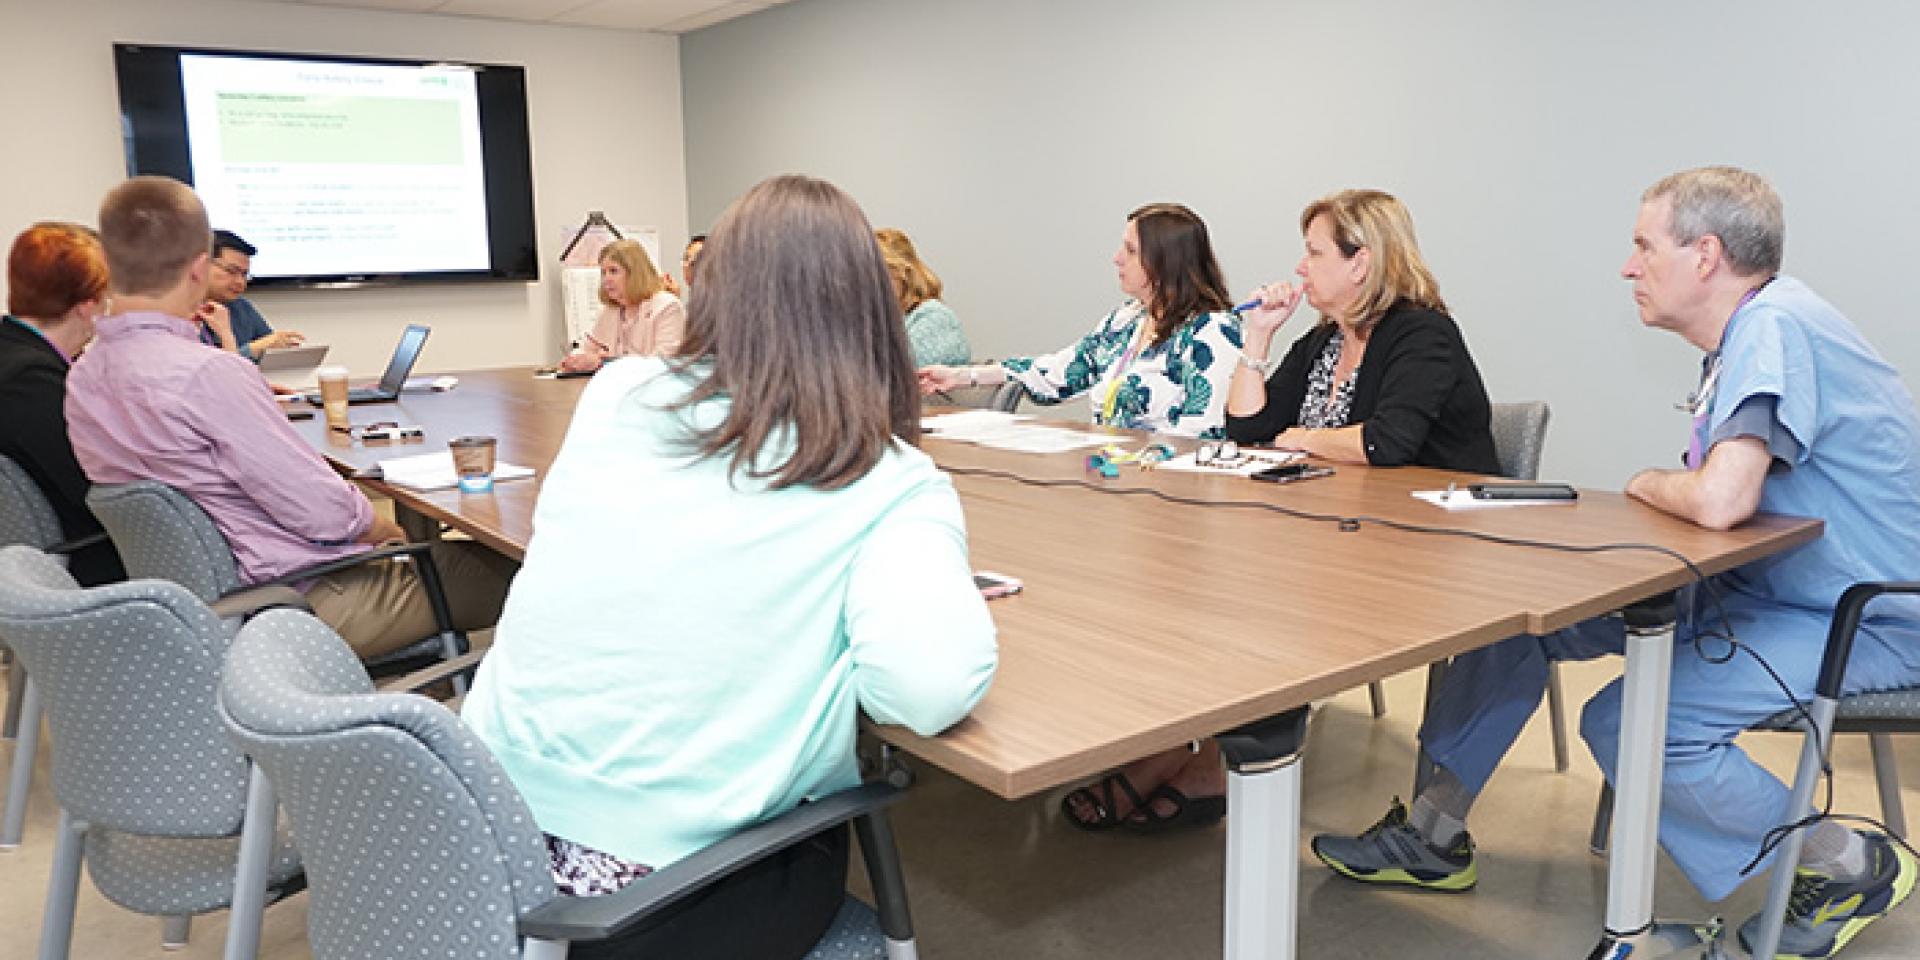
x: 661, y: 16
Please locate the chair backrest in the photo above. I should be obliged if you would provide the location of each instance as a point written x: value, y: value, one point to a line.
x: 1519, y: 435
x: 1007, y: 398
x: 25, y: 515
x: 411, y: 833
x: 163, y: 535
x: 127, y: 673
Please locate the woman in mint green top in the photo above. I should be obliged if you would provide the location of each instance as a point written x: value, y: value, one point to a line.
x: 932, y: 326
x: 728, y: 565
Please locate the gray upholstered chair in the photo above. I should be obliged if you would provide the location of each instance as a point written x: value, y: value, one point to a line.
x: 25, y: 518
x: 167, y: 815
x: 417, y: 845
x: 1519, y: 438
x: 1004, y: 398
x: 162, y: 534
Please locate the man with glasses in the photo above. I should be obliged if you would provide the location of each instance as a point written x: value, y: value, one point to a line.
x: 228, y: 320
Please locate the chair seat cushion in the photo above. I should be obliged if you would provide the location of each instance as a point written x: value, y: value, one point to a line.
x: 171, y: 876
x: 855, y: 934
x: 1886, y: 710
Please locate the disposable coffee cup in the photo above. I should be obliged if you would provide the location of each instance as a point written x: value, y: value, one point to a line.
x: 473, y: 461
x: 333, y: 395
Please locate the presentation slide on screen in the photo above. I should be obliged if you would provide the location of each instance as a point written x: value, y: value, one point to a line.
x: 334, y: 168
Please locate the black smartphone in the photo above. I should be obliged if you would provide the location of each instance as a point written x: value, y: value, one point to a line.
x: 299, y: 414
x: 1289, y: 472
x: 1523, y: 491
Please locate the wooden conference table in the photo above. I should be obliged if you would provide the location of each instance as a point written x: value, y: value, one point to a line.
x: 1146, y: 624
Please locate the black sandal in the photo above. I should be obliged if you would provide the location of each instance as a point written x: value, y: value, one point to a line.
x: 1187, y: 811
x: 1101, y: 803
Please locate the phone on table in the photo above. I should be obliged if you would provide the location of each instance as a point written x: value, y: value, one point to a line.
x: 996, y: 585
x: 1291, y: 472
x: 299, y: 414
x: 1523, y: 491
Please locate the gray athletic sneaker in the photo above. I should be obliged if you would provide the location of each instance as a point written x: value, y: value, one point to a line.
x: 1393, y: 852
x: 1824, y: 913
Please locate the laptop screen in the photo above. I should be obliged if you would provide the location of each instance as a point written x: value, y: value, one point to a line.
x: 403, y: 357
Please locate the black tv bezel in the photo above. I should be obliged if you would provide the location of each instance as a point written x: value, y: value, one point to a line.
x: 153, y: 131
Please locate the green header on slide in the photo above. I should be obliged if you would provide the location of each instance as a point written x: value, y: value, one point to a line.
x: 292, y: 128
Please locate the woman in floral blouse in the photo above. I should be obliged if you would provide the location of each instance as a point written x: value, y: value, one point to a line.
x: 1160, y: 362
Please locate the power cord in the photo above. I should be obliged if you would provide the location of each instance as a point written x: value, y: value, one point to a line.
x: 1699, y: 634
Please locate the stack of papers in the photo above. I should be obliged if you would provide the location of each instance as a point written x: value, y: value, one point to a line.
x: 1249, y: 462
x: 434, y: 471
x: 1009, y: 431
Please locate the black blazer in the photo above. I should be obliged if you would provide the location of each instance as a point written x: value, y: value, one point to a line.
x: 33, y: 432
x: 1418, y: 396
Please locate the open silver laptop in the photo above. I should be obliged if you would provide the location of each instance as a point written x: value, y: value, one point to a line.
x: 301, y: 358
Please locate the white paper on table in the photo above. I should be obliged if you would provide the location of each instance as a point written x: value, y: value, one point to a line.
x: 1037, y: 439
x: 1460, y: 498
x: 1250, y: 462
x: 434, y: 471
x: 1010, y: 431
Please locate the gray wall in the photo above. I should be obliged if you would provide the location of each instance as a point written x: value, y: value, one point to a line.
x: 1011, y: 137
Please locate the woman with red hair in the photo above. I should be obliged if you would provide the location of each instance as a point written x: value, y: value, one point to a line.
x: 56, y: 288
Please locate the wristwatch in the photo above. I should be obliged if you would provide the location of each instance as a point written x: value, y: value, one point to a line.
x: 1262, y: 367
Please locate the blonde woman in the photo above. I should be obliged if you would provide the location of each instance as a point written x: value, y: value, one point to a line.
x: 640, y: 317
x: 1385, y: 377
x: 932, y: 326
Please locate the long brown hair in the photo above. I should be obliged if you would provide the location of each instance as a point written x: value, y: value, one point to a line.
x: 797, y: 319
x: 1179, y: 259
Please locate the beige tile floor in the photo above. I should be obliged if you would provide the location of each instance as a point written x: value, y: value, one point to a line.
x: 996, y: 879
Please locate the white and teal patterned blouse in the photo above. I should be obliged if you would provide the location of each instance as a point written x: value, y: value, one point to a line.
x: 1178, y: 387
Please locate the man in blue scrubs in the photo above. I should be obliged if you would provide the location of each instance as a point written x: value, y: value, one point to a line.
x: 228, y: 320
x: 1794, y: 414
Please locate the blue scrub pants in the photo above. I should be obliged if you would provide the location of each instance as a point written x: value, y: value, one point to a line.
x: 1716, y: 803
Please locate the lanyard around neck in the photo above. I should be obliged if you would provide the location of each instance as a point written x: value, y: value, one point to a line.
x: 1120, y: 369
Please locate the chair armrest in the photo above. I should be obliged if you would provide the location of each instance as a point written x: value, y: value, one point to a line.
x: 346, y: 563
x: 253, y: 600
x: 65, y: 547
x: 1845, y: 624
x: 586, y: 919
x: 413, y: 682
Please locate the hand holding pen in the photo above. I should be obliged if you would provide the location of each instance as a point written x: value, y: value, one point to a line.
x: 1269, y: 307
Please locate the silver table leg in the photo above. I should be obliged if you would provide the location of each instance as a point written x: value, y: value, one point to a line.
x: 1263, y: 837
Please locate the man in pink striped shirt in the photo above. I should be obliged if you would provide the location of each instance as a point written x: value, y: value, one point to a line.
x: 149, y: 401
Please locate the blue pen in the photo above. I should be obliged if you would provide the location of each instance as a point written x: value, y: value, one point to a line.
x: 1253, y: 304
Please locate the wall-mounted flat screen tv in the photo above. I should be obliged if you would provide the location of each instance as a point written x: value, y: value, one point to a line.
x: 341, y: 170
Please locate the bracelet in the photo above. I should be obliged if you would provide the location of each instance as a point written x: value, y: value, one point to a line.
x: 1262, y: 367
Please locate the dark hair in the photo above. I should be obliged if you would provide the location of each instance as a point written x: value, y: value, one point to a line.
x: 696, y: 238
x: 797, y: 325
x: 224, y: 240
x: 52, y: 268
x: 152, y: 229
x: 1179, y: 259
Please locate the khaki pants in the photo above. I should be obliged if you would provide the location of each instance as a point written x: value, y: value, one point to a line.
x: 382, y: 606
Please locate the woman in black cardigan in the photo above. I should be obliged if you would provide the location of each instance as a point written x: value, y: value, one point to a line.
x: 1385, y: 377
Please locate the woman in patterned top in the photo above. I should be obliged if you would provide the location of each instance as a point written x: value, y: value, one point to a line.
x: 1385, y: 377
x: 932, y: 326
x: 1160, y: 362
x: 1416, y: 398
